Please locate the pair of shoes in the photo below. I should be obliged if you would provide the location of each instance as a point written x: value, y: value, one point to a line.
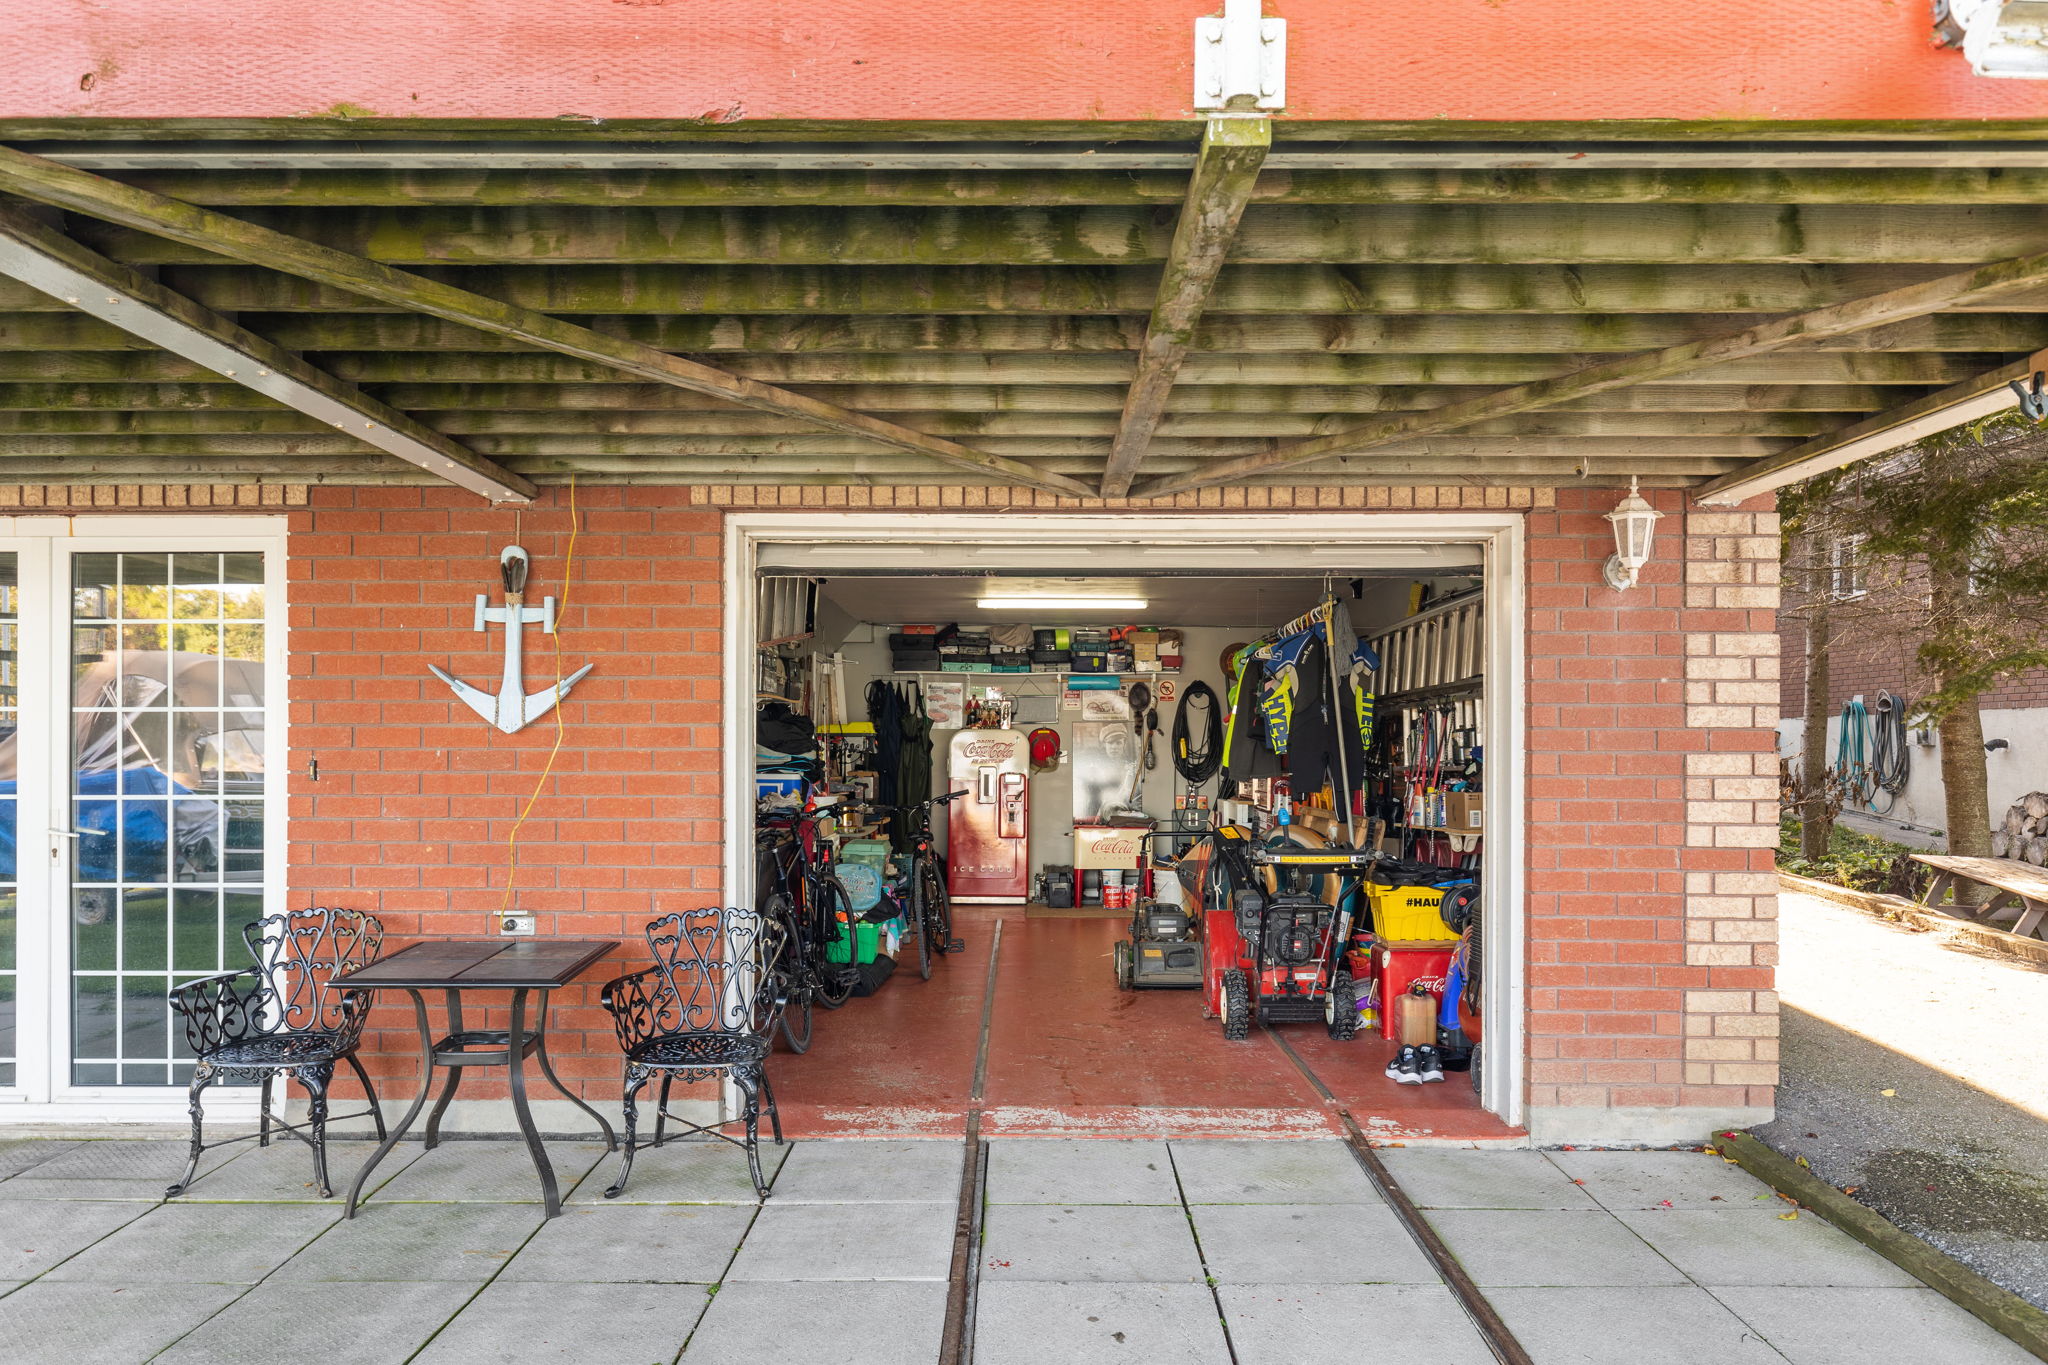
x: 1415, y: 1065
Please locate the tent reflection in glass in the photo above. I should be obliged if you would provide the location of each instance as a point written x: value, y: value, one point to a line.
x: 171, y: 769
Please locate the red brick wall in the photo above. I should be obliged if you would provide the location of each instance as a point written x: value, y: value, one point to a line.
x: 1650, y: 924
x: 417, y: 796
x: 1646, y: 728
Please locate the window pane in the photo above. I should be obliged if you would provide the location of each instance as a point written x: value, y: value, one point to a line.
x: 169, y: 790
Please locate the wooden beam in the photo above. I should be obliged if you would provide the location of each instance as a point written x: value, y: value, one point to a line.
x: 1282, y: 234
x: 958, y: 401
x: 464, y: 422
x: 40, y: 256
x: 1723, y: 354
x: 1021, y: 370
x: 1247, y: 290
x: 1238, y: 333
x: 1233, y: 147
x: 1968, y: 401
x: 81, y: 192
x: 674, y: 188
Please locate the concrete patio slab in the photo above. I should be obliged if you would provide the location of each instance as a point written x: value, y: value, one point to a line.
x: 570, y: 1324
x: 1286, y: 1324
x: 1663, y: 1325
x: 1453, y: 1178
x: 19, y: 1154
x: 1542, y: 1247
x: 1755, y: 1246
x: 36, y: 1235
x: 687, y: 1171
x: 200, y: 1244
x: 1645, y: 1180
x: 1309, y: 1244
x: 1088, y: 1242
x: 283, y: 1172
x: 480, y: 1171
x: 47, y: 1323
x: 1096, y: 1324
x: 848, y: 1242
x: 339, y: 1324
x: 1857, y: 1326
x: 869, y: 1171
x: 158, y: 1159
x: 456, y: 1243
x: 1271, y: 1172
x: 895, y: 1323
x: 634, y: 1244
x: 1081, y: 1171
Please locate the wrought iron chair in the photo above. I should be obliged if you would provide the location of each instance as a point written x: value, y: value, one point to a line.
x: 705, y: 1010
x: 290, y: 1014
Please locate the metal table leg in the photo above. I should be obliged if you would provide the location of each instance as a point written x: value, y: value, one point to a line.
x: 547, y: 1069
x: 454, y: 1081
x: 355, y: 1189
x: 515, y: 1047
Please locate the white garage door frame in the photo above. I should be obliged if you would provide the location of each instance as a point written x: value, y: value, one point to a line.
x: 1111, y: 544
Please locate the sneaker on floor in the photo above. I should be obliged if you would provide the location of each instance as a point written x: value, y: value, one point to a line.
x: 1429, y: 1065
x: 1403, y: 1068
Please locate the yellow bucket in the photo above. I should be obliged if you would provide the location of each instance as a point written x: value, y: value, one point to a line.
x: 1408, y: 914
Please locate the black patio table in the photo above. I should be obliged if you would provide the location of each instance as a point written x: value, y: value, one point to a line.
x: 453, y: 966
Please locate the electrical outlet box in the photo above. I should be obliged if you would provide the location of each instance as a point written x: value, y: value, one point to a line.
x: 516, y: 926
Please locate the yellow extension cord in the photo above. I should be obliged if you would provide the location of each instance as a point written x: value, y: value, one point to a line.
x: 561, y: 725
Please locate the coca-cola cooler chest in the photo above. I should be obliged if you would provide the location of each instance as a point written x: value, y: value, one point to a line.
x: 988, y: 846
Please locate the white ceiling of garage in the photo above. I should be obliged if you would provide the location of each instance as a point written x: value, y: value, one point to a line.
x: 1180, y: 601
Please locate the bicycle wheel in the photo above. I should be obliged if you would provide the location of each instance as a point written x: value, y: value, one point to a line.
x: 936, y: 905
x: 921, y: 912
x: 796, y: 977
x: 836, y: 980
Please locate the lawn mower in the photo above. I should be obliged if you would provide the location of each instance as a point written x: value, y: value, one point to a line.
x: 1273, y: 955
x: 1162, y: 952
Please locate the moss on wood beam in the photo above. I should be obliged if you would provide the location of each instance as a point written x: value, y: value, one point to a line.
x: 1536, y: 234
x: 80, y: 192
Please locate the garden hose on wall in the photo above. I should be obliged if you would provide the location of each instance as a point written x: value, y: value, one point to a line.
x: 1891, y: 758
x: 1852, y: 753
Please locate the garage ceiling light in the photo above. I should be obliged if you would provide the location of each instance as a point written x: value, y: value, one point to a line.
x: 1063, y: 603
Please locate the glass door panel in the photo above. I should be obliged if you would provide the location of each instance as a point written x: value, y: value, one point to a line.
x: 10, y: 781
x: 168, y: 796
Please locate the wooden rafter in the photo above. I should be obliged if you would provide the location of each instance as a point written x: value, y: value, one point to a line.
x: 45, y: 258
x: 1232, y: 150
x: 95, y: 196
x: 1952, y: 407
x: 1983, y: 283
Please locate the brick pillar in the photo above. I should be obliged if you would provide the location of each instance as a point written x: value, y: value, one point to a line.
x: 1652, y: 814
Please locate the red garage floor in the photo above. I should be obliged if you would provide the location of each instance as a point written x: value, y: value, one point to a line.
x: 1068, y: 1054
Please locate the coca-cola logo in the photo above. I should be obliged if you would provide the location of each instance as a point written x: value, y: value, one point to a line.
x: 1433, y: 984
x: 1114, y: 845
x: 997, y: 749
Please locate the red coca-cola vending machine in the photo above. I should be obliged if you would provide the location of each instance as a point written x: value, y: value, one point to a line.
x: 988, y: 846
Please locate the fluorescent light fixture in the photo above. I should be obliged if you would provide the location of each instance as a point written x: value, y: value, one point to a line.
x: 1064, y: 603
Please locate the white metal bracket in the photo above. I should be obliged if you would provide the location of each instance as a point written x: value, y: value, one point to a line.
x: 1240, y: 59
x: 2000, y: 38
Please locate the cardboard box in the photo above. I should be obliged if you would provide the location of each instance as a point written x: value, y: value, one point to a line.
x: 1464, y: 812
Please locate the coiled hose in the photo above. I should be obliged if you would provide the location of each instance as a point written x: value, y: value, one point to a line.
x: 1197, y: 763
x: 1852, y: 753
x: 1891, y: 759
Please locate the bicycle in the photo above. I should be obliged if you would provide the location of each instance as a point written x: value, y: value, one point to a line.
x: 926, y: 908
x: 795, y: 881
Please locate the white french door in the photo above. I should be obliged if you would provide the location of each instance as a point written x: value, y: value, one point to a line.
x: 142, y: 795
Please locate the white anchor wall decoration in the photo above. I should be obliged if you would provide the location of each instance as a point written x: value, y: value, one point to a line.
x: 513, y: 709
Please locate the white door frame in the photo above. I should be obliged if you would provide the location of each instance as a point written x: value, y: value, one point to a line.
x: 1499, y: 535
x: 44, y: 1093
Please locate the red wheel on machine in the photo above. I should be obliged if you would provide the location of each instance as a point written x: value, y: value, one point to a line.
x: 1237, y: 1005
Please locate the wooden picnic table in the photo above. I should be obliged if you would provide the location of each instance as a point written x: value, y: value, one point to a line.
x: 2021, y: 888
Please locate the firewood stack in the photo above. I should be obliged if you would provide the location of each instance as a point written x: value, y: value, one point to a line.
x: 2024, y: 832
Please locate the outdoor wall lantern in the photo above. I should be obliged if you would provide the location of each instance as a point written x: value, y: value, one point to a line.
x: 1635, y: 522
